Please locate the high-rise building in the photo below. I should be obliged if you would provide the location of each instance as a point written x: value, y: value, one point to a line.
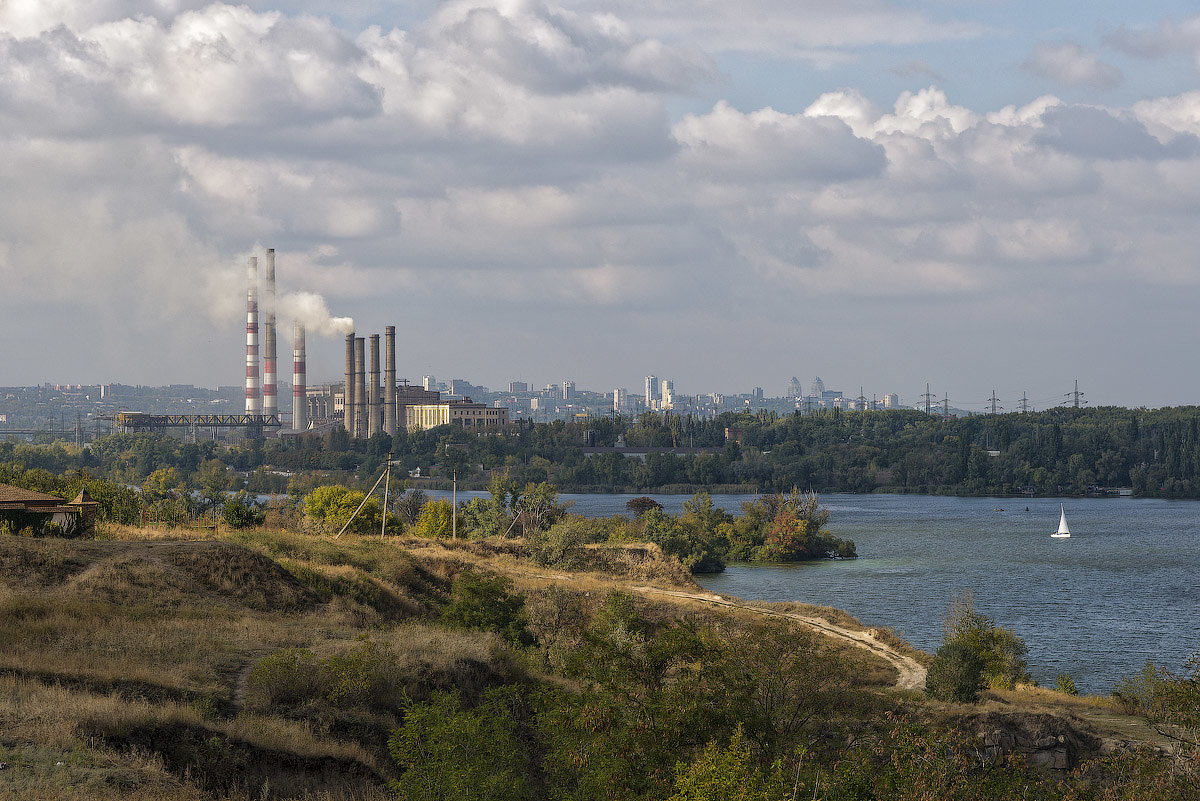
x: 518, y: 386
x: 568, y: 391
x: 620, y: 399
x: 891, y: 401
x: 651, y: 390
x: 666, y: 394
x: 428, y: 383
x: 818, y: 387
x: 794, y: 390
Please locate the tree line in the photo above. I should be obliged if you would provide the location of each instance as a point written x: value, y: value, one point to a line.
x: 1065, y: 451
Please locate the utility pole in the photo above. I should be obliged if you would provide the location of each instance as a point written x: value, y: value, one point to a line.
x: 874, y: 403
x: 995, y: 400
x: 386, y: 486
x: 946, y: 405
x: 860, y: 403
x: 1024, y: 404
x: 454, y: 505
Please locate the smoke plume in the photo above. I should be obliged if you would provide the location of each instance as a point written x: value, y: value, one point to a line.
x: 309, y: 309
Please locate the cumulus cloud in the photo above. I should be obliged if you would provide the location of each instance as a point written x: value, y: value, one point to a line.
x: 1067, y: 63
x: 768, y: 145
x: 516, y: 167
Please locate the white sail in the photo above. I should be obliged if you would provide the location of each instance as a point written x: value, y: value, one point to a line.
x: 1063, y: 531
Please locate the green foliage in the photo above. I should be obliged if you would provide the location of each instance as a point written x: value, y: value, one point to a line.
x: 956, y: 673
x: 1138, y: 694
x: 435, y: 520
x: 700, y: 548
x: 562, y: 545
x: 1001, y: 651
x: 487, y: 603
x: 242, y: 511
x: 330, y: 508
x: 447, y: 752
x: 537, y: 508
x: 365, y: 676
x: 728, y: 773
x: 1175, y: 710
x: 1063, y: 683
x: 286, y: 678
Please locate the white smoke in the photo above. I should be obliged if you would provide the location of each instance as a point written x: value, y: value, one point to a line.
x: 309, y: 309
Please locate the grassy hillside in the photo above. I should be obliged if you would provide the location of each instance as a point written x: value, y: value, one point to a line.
x: 269, y: 664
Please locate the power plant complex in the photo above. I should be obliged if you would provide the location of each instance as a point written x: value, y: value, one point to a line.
x: 368, y: 402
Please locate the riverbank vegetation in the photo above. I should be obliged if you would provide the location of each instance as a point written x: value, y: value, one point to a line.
x: 787, y: 527
x: 259, y: 663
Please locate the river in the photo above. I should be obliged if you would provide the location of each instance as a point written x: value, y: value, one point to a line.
x: 1124, y: 588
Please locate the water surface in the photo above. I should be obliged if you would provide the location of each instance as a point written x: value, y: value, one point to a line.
x: 1123, y: 589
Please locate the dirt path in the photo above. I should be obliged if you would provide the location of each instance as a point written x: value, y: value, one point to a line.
x: 911, y: 672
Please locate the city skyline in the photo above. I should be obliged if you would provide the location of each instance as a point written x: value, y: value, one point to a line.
x: 984, y: 197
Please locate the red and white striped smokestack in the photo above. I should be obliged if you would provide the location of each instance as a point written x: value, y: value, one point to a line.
x: 299, y: 380
x: 253, y: 382
x: 270, y: 388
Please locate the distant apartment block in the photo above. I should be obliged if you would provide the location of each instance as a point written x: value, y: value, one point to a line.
x: 518, y: 387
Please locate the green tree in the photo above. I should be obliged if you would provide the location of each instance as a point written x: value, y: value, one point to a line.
x: 242, y: 511
x: 436, y: 520
x: 956, y: 673
x: 727, y: 773
x: 212, y: 479
x: 538, y: 508
x: 331, y: 507
x: 447, y: 752
x: 487, y: 603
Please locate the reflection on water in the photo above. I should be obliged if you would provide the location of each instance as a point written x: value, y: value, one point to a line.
x: 1123, y: 589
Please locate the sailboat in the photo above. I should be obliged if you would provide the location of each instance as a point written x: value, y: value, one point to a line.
x: 1063, y: 531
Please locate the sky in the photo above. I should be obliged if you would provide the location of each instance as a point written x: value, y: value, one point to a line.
x: 996, y: 195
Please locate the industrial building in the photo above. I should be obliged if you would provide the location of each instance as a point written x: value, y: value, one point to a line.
x: 456, y: 412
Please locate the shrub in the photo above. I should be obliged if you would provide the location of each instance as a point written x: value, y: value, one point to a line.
x: 1136, y: 694
x: 956, y: 673
x: 1001, y: 651
x: 448, y: 751
x: 286, y: 678
x: 560, y: 546
x: 435, y: 521
x: 241, y: 511
x: 1065, y: 684
x: 639, y: 506
x: 486, y: 603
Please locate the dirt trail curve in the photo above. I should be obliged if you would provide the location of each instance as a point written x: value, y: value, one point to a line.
x: 912, y: 673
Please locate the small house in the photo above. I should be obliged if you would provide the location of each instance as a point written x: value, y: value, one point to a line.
x: 22, y: 508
